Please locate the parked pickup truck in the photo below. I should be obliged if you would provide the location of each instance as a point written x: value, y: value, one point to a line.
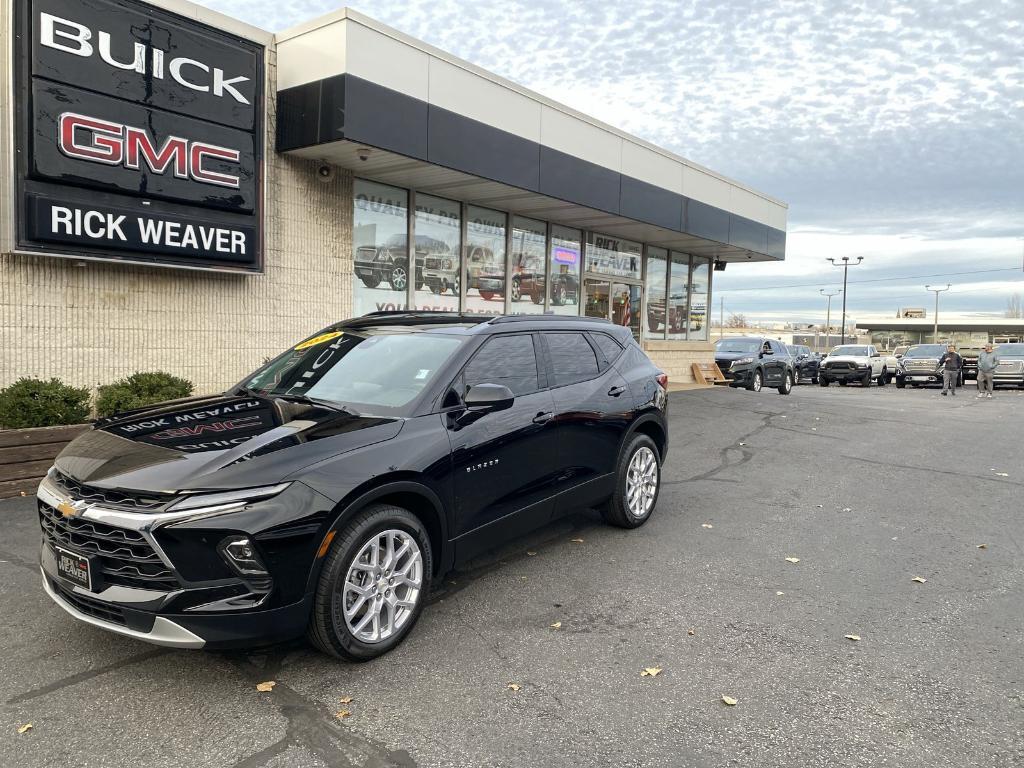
x: 920, y: 366
x: 860, y: 363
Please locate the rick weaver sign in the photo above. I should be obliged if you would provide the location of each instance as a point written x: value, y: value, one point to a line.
x: 140, y: 136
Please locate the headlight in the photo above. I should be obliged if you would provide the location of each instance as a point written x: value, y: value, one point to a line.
x: 743, y: 361
x: 227, y: 498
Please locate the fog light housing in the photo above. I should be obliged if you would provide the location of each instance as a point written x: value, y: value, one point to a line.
x: 240, y: 554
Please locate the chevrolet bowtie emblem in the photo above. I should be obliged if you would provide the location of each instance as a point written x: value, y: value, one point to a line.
x: 70, y: 508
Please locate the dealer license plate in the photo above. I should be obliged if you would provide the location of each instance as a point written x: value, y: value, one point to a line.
x: 74, y: 567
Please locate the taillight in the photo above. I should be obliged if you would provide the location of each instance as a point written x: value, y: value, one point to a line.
x: 662, y: 379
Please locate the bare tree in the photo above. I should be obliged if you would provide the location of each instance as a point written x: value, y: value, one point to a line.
x: 736, y: 321
x: 1013, y: 306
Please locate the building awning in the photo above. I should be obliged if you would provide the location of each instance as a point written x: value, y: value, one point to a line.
x: 441, y: 125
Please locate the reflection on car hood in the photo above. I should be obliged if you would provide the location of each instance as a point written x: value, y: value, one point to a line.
x: 219, y: 442
x: 846, y: 358
x: 733, y: 355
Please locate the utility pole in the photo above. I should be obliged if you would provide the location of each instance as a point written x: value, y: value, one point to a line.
x: 845, y: 264
x: 721, y: 317
x: 936, y: 291
x: 828, y: 314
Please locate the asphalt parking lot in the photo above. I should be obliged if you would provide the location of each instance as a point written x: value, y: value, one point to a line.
x: 868, y: 489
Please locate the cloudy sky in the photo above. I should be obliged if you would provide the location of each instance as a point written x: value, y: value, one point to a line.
x: 895, y: 131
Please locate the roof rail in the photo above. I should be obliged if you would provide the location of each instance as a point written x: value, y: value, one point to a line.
x: 549, y: 318
x: 397, y: 317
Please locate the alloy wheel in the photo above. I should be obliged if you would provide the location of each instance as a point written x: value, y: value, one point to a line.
x: 382, y: 586
x: 399, y: 279
x: 641, y: 482
x: 517, y: 292
x: 757, y: 381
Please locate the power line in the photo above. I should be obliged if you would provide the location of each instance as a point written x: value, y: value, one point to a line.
x: 873, y: 280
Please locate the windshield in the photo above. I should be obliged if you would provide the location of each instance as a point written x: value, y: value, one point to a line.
x: 854, y: 351
x: 1016, y: 350
x: 926, y: 350
x: 737, y: 345
x: 373, y: 373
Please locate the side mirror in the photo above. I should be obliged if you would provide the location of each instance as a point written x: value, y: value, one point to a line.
x: 483, y: 398
x: 877, y: 354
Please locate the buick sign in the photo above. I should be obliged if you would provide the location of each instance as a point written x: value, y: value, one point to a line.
x: 139, y: 135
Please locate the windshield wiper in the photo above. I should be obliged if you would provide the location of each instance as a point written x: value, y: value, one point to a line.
x: 330, y: 404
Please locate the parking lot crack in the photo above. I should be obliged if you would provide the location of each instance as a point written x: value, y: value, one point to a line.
x: 81, y: 677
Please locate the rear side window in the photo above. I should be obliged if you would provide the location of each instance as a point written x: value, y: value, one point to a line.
x: 607, y: 346
x: 572, y: 358
x: 508, y: 360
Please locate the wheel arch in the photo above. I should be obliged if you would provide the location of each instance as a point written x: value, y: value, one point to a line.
x: 651, y: 426
x: 406, y: 492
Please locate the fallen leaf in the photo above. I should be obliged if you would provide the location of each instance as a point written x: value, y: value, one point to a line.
x: 690, y: 632
x: 651, y: 672
x: 556, y: 625
x: 23, y: 493
x: 847, y: 509
x: 530, y: 554
x: 821, y: 506
x: 730, y: 701
x: 706, y: 525
x: 779, y: 594
x: 576, y: 541
x: 1002, y: 474
x: 345, y: 700
x: 792, y: 559
x: 919, y: 580
x: 343, y: 714
x: 983, y: 546
x: 25, y: 728
x: 513, y: 686
x: 267, y: 686
x: 855, y: 638
x: 742, y: 443
x: 814, y: 429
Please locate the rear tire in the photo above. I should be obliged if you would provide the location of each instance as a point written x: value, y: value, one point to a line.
x: 329, y: 630
x: 787, y: 384
x: 637, y: 485
x: 822, y: 381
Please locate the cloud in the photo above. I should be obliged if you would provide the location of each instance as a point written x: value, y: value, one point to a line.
x: 899, y: 120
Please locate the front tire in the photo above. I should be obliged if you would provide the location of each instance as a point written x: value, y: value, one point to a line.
x: 637, y: 484
x: 373, y: 584
x: 822, y: 381
x: 757, y: 381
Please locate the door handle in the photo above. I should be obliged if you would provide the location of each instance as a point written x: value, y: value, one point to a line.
x: 543, y: 418
x: 616, y: 391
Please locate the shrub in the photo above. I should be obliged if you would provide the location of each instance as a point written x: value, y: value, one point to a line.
x: 38, y: 403
x: 140, y: 389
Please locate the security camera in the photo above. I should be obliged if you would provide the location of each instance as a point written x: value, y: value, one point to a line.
x: 325, y: 172
x: 364, y: 153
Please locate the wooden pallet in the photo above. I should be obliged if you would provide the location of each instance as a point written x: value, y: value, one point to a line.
x: 709, y: 373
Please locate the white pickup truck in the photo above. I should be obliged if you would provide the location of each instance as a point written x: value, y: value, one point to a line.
x: 860, y: 363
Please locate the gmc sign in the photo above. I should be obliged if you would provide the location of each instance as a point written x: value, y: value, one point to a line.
x: 139, y: 134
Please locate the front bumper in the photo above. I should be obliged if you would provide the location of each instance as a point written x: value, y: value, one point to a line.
x: 741, y: 377
x: 843, y: 374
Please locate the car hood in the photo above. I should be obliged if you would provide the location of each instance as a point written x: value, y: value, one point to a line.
x: 734, y: 355
x: 846, y: 359
x: 215, y: 443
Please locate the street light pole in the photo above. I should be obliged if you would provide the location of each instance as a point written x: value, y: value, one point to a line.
x: 845, y: 264
x: 936, y: 291
x: 828, y: 314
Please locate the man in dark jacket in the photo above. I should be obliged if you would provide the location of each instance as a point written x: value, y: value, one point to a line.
x: 950, y: 363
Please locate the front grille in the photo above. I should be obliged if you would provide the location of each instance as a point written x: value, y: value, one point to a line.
x: 90, y: 605
x: 432, y: 262
x: 841, y: 366
x: 724, y: 365
x: 110, y: 498
x: 1010, y: 366
x: 122, y: 556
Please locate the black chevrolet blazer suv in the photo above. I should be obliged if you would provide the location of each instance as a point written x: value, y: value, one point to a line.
x: 325, y: 492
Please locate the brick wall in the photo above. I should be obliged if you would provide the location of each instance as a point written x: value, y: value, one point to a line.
x: 92, y: 324
x: 676, y: 358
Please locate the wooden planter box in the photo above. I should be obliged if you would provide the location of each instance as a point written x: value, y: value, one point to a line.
x: 26, y: 454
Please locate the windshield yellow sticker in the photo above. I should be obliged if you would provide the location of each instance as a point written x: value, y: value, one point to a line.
x: 318, y: 340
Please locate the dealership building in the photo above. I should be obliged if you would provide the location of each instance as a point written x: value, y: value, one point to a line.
x: 184, y: 192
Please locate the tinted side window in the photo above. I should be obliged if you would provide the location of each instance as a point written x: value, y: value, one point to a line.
x: 508, y: 360
x: 779, y: 349
x: 572, y: 357
x: 608, y: 347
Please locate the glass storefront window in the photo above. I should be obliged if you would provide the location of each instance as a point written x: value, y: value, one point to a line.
x: 529, y: 239
x: 612, y: 256
x: 699, y: 284
x: 484, y: 259
x: 380, y: 233
x: 626, y: 306
x: 564, y: 278
x: 437, y: 235
x: 657, y: 280
x: 678, y: 282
